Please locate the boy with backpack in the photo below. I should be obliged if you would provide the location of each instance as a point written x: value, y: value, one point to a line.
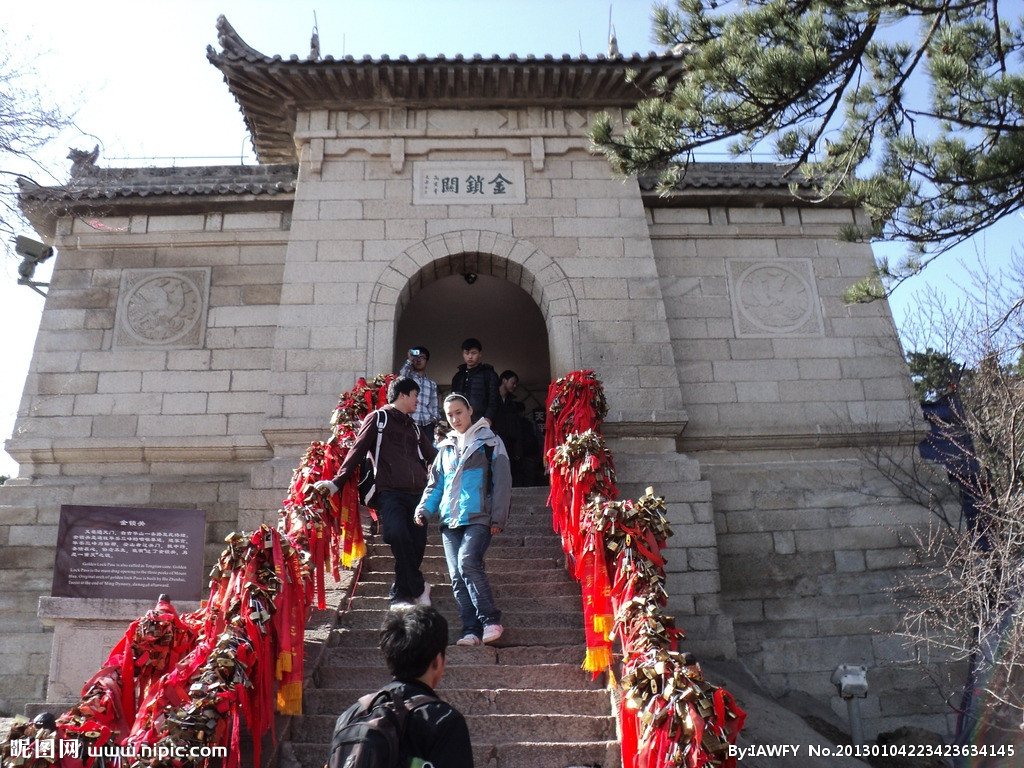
x: 402, y: 452
x: 405, y: 724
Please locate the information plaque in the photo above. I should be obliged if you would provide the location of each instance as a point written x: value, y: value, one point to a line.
x: 129, y: 553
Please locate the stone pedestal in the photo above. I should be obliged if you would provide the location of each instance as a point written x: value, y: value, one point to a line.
x: 85, y: 630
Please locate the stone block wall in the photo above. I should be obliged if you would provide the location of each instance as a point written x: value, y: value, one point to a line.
x: 790, y: 393
x: 764, y: 345
x: 362, y: 241
x: 146, y: 388
x: 692, y: 568
x: 812, y: 544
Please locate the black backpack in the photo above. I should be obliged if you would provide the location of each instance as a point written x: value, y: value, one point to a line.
x: 371, y: 734
x: 368, y: 468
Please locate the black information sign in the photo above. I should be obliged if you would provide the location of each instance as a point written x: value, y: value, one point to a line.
x: 129, y: 553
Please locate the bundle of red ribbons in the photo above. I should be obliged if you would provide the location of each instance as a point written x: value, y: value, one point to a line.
x: 669, y: 714
x: 176, y: 685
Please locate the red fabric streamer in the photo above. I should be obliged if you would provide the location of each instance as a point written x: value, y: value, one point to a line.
x: 192, y: 679
x: 660, y: 724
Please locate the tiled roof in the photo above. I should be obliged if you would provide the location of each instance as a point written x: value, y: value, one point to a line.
x: 733, y: 176
x: 270, y: 89
x: 92, y: 188
x: 92, y: 183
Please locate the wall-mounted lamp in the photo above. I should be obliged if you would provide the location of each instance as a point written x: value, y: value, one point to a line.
x: 851, y: 681
x: 470, y: 277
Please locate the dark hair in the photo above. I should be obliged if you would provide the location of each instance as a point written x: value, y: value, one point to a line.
x: 472, y: 343
x: 506, y: 375
x: 403, y: 385
x: 423, y: 350
x: 411, y: 638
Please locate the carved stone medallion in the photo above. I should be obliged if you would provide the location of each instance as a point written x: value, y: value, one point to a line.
x: 774, y: 298
x: 162, y: 307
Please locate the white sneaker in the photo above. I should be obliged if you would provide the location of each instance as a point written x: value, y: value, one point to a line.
x: 492, y: 632
x: 469, y: 639
x: 424, y: 599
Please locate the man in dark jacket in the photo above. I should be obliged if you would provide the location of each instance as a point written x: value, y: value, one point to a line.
x: 478, y: 382
x: 414, y: 642
x: 401, y: 475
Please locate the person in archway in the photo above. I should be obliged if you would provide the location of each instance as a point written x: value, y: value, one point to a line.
x: 477, y: 381
x: 415, y: 367
x: 506, y: 421
x: 401, y: 475
x: 469, y: 487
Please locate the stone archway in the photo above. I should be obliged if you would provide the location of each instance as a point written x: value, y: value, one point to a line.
x: 478, y: 252
x: 500, y: 314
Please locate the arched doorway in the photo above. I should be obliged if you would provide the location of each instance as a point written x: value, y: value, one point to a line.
x: 499, y: 313
x: 517, y: 283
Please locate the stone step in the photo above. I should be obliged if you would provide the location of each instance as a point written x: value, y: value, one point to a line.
x: 549, y: 582
x: 536, y: 676
x: 537, y: 494
x: 489, y: 728
x: 437, y: 564
x: 504, y: 755
x: 527, y: 598
x: 476, y: 701
x: 513, y: 636
x: 462, y: 655
x: 557, y: 754
x: 537, y: 547
x: 527, y: 701
x: 524, y: 618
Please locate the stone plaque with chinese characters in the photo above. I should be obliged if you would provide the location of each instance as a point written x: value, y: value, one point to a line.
x: 466, y: 182
x: 129, y: 553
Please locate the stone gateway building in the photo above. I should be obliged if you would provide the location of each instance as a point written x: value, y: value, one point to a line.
x: 202, y: 321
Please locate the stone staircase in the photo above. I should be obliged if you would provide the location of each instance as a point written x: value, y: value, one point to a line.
x: 526, y: 699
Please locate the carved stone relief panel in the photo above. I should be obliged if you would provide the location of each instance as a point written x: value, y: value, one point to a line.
x: 774, y: 298
x: 162, y: 307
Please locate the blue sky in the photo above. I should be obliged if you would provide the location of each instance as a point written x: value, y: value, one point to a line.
x: 138, y: 76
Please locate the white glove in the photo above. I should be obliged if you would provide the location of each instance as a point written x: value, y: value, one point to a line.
x: 325, y: 487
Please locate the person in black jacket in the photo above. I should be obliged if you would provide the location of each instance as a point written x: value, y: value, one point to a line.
x: 478, y: 382
x: 401, y: 474
x: 414, y: 641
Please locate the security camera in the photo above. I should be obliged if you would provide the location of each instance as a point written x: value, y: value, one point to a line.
x: 32, y: 250
x: 32, y: 253
x: 851, y: 680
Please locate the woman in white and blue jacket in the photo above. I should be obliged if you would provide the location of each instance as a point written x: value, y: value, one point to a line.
x: 470, y: 487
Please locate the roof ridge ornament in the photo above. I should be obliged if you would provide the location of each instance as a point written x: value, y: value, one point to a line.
x: 230, y: 41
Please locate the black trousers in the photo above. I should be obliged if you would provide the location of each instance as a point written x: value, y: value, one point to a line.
x: 407, y: 540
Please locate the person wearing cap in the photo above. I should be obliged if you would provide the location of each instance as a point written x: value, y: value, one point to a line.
x: 469, y: 487
x: 415, y: 367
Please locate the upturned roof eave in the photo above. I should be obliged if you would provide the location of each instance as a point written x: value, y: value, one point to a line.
x: 271, y: 90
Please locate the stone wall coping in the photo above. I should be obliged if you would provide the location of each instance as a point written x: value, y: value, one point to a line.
x: 53, y: 609
x: 98, y: 451
x: 851, y: 437
x: 636, y: 423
